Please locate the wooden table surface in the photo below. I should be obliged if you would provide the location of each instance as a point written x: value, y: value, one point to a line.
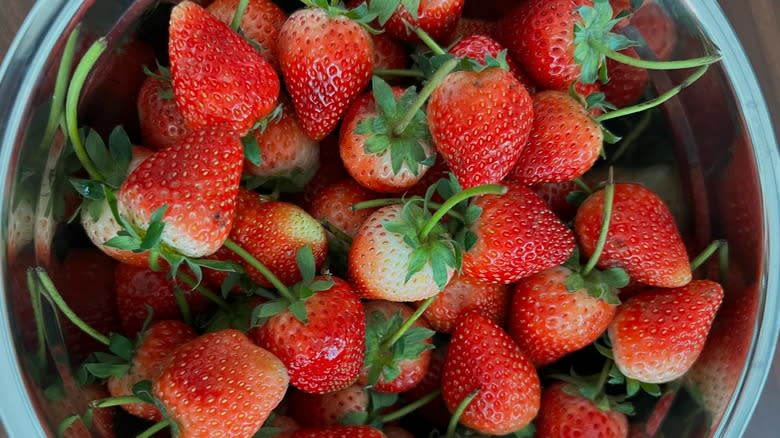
x: 756, y: 23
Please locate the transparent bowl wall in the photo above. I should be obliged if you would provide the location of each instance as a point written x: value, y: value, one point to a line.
x: 727, y: 165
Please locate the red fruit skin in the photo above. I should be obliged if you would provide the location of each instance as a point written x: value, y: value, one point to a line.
x: 658, y: 335
x: 643, y: 238
x: 539, y: 34
x: 480, y: 122
x: 326, y: 62
x: 412, y: 371
x: 389, y: 53
x: 322, y: 410
x: 463, y: 294
x: 471, y: 26
x: 137, y: 288
x: 548, y: 322
x: 262, y: 22
x: 159, y: 341
x: 555, y: 196
x: 162, y: 124
x: 478, y: 47
x: 220, y: 383
x: 438, y: 18
x: 334, y: 204
x: 198, y: 180
x: 658, y: 30
x: 340, y: 432
x: 481, y: 355
x: 374, y: 171
x: 563, y: 415
x: 330, y: 171
x: 326, y: 354
x: 517, y: 236
x: 626, y: 84
x: 218, y: 77
x: 564, y: 143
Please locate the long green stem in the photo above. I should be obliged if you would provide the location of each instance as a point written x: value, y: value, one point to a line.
x: 337, y: 232
x: 654, y: 65
x: 184, y: 306
x: 384, y: 202
x: 603, y: 376
x: 60, y: 87
x: 402, y: 73
x: 632, y: 136
x: 706, y: 254
x: 155, y: 428
x: 115, y: 401
x: 35, y: 299
x: 54, y: 295
x: 583, y: 185
x: 609, y: 196
x: 428, y: 41
x: 485, y: 189
x: 411, y: 407
x: 239, y: 15
x: 189, y: 281
x: 663, y: 98
x: 459, y: 412
x: 72, y: 102
x: 408, y: 323
x: 425, y: 93
x: 253, y: 262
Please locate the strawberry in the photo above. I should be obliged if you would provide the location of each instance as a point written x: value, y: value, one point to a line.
x: 658, y: 30
x: 137, y: 288
x: 626, y: 84
x: 657, y: 335
x: 384, y: 160
x: 218, y: 77
x: 157, y: 343
x: 483, y: 358
x: 463, y: 294
x: 323, y: 351
x: 326, y: 61
x: 162, y: 124
x: 394, y: 368
x: 331, y: 170
x: 480, y: 122
x: 643, y: 238
x: 478, y: 47
x: 262, y: 22
x: 334, y: 204
x: 517, y: 236
x: 248, y: 381
x: 565, y: 141
x: 548, y: 321
x: 556, y: 195
x: 197, y: 179
x: 272, y: 232
x: 438, y: 18
x: 567, y: 414
x: 322, y: 410
x: 471, y: 26
x: 340, y: 432
x: 389, y: 54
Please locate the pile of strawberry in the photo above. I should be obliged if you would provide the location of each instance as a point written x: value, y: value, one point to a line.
x: 342, y: 216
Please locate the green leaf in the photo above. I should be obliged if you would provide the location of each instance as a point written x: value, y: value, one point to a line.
x: 155, y: 229
x: 306, y: 264
x: 106, y: 370
x: 605, y: 351
x: 609, y: 136
x: 417, y: 261
x: 121, y: 346
x: 298, y: 309
x: 121, y: 152
x: 231, y: 281
x: 267, y: 432
x: 252, y: 149
x: 380, y: 400
x: 615, y: 277
x: 143, y: 390
x: 96, y: 149
x: 384, y: 97
x: 123, y: 242
x: 219, y: 265
x: 66, y: 424
x: 412, y: 7
x: 632, y: 387
x: 376, y: 144
x: 196, y: 271
x: 384, y: 9
x: 575, y: 282
x: 321, y: 285
x: 651, y: 388
x: 576, y: 197
x: 88, y: 189
x: 354, y: 418
x: 271, y: 308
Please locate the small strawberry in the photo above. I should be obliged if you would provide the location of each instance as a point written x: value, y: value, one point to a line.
x: 478, y: 47
x: 438, y: 18
x: 248, y: 381
x: 334, y: 204
x: 564, y: 413
x: 564, y: 144
x: 643, y: 238
x: 463, y: 294
x: 517, y: 236
x: 483, y: 359
x: 218, y: 77
x: 326, y: 61
x: 657, y: 335
x: 162, y: 124
x: 480, y: 122
x: 262, y: 22
x: 322, y: 410
x: 340, y: 432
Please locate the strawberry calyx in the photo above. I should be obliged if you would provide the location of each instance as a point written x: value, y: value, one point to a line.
x: 616, y: 377
x: 596, y: 102
x: 163, y: 75
x: 362, y: 14
x: 384, y: 9
x: 593, y: 388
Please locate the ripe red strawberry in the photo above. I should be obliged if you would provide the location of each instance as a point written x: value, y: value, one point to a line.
x: 658, y: 335
x: 340, y: 432
x: 563, y: 414
x: 262, y: 22
x: 471, y: 26
x: 626, y: 84
x: 482, y: 356
x: 555, y: 196
x: 462, y: 294
x: 325, y: 354
x: 480, y: 122
x: 643, y: 238
x: 478, y: 47
x: 158, y: 342
x: 218, y: 77
x: 334, y: 204
x: 323, y: 77
x: 565, y: 141
x: 137, y: 288
x: 322, y: 410
x: 161, y: 122
x: 548, y: 321
x: 388, y: 53
x: 248, y: 381
x: 197, y: 179
x: 517, y: 236
x: 438, y: 18
x: 272, y: 231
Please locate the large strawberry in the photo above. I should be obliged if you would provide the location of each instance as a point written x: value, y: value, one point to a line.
x: 643, y: 238
x: 480, y: 122
x: 322, y: 410
x: 161, y: 122
x: 218, y: 77
x: 463, y: 294
x: 262, y: 22
x: 220, y: 383
x: 658, y: 335
x: 197, y: 181
x: 567, y: 414
x: 326, y: 61
x: 483, y: 359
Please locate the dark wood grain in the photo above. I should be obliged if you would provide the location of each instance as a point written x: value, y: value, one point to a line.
x: 756, y: 23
